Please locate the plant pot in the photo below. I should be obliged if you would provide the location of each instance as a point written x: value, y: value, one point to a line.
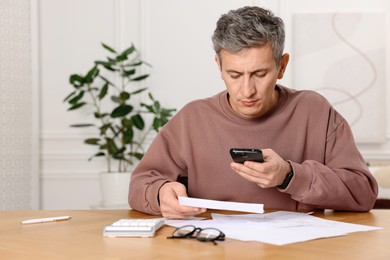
x: 114, y: 189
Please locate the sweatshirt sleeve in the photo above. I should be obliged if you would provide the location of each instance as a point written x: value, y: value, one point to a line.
x: 162, y: 163
x: 343, y: 181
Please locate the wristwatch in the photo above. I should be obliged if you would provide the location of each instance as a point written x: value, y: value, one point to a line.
x: 287, y: 180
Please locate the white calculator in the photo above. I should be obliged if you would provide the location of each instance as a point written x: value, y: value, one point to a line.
x: 133, y: 227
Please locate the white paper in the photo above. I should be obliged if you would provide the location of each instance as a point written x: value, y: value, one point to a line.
x: 221, y: 205
x: 277, y: 228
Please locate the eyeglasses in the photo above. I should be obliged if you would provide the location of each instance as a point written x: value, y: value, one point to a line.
x: 204, y: 235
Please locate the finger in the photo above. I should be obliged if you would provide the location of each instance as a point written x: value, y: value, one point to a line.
x: 173, y: 215
x: 175, y: 207
x: 255, y: 179
x: 256, y: 166
x: 183, y: 214
x: 185, y: 210
x: 238, y: 167
x: 180, y: 191
x: 249, y: 168
x: 266, y: 153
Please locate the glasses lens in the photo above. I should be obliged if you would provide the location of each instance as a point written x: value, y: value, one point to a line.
x: 183, y: 231
x: 208, y: 234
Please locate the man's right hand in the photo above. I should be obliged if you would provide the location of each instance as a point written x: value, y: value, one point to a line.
x: 169, y: 202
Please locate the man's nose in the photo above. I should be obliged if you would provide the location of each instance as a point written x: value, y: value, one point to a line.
x: 248, y: 88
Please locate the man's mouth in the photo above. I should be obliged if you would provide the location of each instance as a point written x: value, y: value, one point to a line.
x: 249, y: 103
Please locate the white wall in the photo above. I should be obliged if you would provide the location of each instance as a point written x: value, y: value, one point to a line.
x: 174, y: 36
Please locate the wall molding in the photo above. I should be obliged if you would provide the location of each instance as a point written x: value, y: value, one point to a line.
x: 35, y: 96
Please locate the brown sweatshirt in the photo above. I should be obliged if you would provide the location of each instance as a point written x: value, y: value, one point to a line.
x: 303, y: 128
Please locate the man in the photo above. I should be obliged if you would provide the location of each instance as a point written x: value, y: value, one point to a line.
x: 310, y: 157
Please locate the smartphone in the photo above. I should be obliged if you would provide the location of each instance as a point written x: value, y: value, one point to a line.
x: 240, y: 155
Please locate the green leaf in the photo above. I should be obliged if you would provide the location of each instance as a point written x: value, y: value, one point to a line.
x: 125, y: 95
x: 125, y: 53
x: 139, y: 78
x: 111, y: 146
x: 116, y: 99
x: 121, y: 150
x: 92, y: 74
x: 137, y: 155
x: 170, y: 110
x: 138, y: 91
x: 106, y: 80
x: 96, y: 155
x: 103, y: 128
x: 167, y: 112
x: 82, y: 125
x: 108, y: 48
x: 100, y: 115
x: 157, y: 105
x: 128, y: 72
x: 148, y: 107
x: 118, y: 157
x: 121, y: 58
x: 103, y: 91
x: 93, y: 141
x: 138, y: 121
x: 121, y: 110
x: 69, y: 96
x: 76, y: 98
x: 127, y: 122
x: 157, y: 124
x: 105, y: 64
x: 134, y: 64
x: 128, y: 136
x: 76, y: 106
x: 77, y: 80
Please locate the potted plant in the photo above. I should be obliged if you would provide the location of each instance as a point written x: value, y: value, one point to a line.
x: 112, y: 89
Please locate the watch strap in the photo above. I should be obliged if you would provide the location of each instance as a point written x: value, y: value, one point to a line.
x: 287, y: 180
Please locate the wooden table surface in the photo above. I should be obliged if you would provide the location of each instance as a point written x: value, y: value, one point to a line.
x: 81, y: 238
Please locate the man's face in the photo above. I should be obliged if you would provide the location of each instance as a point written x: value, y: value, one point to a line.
x: 250, y: 77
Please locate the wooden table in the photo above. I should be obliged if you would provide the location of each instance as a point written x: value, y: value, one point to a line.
x: 81, y: 238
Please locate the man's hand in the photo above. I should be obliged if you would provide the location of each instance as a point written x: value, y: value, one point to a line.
x: 270, y: 173
x: 169, y: 202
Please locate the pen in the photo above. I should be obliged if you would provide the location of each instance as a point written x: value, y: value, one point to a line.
x: 43, y: 220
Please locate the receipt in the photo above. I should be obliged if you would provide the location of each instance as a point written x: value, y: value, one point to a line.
x: 222, y: 205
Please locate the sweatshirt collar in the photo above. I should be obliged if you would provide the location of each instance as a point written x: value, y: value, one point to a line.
x: 233, y: 115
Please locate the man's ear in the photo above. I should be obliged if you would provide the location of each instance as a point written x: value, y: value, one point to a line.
x: 218, y: 61
x: 283, y: 65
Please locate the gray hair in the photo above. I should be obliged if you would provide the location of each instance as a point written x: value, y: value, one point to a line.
x: 246, y: 27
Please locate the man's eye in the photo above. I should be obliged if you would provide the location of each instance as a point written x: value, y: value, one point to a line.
x: 234, y: 76
x: 260, y: 75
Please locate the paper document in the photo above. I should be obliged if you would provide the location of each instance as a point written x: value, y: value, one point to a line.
x: 223, y: 205
x: 277, y: 228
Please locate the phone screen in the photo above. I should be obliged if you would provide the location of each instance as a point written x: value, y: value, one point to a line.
x: 240, y: 155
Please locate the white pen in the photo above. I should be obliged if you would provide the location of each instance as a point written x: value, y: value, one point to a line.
x: 42, y: 220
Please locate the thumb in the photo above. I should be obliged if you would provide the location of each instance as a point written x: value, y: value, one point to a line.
x: 180, y: 190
